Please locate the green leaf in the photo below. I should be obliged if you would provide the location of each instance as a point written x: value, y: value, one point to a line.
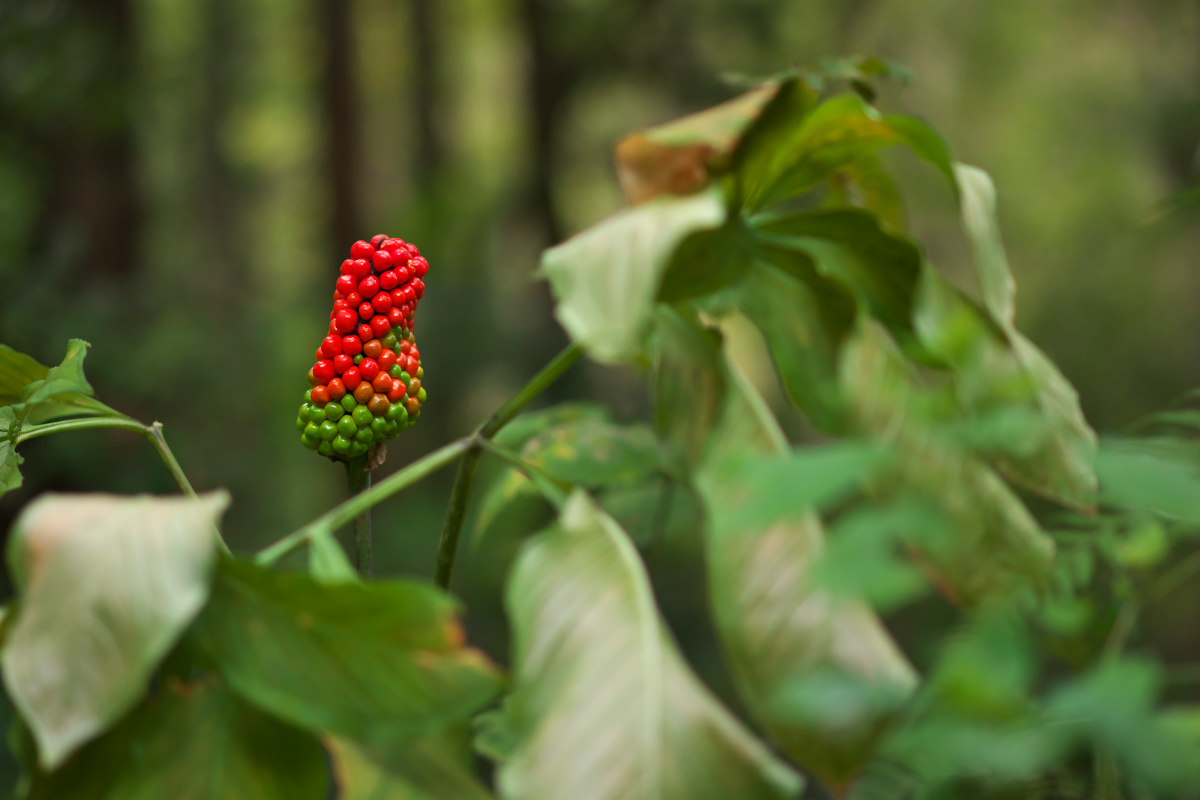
x: 10, y: 459
x: 867, y: 183
x: 193, y: 741
x: 17, y: 371
x: 978, y: 205
x: 580, y: 446
x: 1150, y: 476
x: 64, y: 391
x: 107, y: 584
x: 689, y: 385
x: 606, y: 279
x: 819, y: 672
x: 802, y: 321
x: 327, y: 561
x: 707, y: 261
x: 881, y: 270
x: 604, y: 706
x: 795, y: 146
x: 995, y: 368
x: 998, y: 544
x: 381, y: 661
x: 426, y: 769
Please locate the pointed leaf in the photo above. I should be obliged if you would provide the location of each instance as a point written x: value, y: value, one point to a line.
x: 64, y: 391
x: 1151, y: 476
x: 791, y: 644
x: 378, y: 661
x: 794, y: 146
x: 193, y: 742
x: 606, y: 279
x: 978, y: 203
x: 604, y: 706
x: 107, y: 584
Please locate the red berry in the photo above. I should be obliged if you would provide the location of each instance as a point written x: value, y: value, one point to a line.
x: 363, y: 393
x: 320, y: 395
x: 382, y: 382
x: 368, y: 286
x: 366, y: 310
x: 323, y: 371
x: 382, y: 302
x: 388, y: 280
x: 382, y: 260
x: 337, y: 389
x: 380, y: 325
x: 413, y: 406
x: 377, y: 239
x: 409, y: 293
x: 391, y: 244
x: 351, y: 345
x: 418, y: 286
x: 348, y: 267
x: 344, y: 320
x: 352, y: 378
x: 365, y: 332
x: 369, y: 368
x: 387, y: 359
x: 353, y: 300
x: 331, y: 346
x: 412, y: 249
x: 361, y: 249
x: 420, y: 266
x: 341, y: 363
x: 395, y: 316
x: 405, y: 274
x: 360, y: 268
x: 372, y: 349
x: 345, y: 285
x: 414, y: 386
x: 338, y: 304
x: 397, y: 391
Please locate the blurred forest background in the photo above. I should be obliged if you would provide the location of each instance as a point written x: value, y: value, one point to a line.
x: 180, y: 180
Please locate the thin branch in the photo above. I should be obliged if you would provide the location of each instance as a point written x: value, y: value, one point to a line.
x: 345, y: 512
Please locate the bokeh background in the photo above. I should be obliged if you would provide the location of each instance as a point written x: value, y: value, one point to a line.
x: 180, y: 179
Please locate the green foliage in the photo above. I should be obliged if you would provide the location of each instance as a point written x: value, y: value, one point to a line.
x: 922, y: 454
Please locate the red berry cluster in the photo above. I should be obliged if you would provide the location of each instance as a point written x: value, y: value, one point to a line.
x: 366, y: 384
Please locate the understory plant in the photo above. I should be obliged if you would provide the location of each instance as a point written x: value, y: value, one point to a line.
x: 843, y: 432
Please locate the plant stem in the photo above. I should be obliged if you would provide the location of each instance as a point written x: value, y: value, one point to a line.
x: 464, y: 479
x: 344, y: 512
x: 153, y: 432
x: 359, y: 480
x: 537, y: 384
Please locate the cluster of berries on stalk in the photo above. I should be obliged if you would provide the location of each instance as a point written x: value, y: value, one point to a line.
x: 366, y: 384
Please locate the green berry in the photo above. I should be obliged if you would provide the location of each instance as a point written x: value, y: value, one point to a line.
x: 325, y: 449
x: 421, y: 395
x: 334, y: 411
x: 308, y: 396
x: 346, y: 426
x: 362, y: 416
x: 364, y: 435
x: 348, y: 402
x: 316, y: 414
x: 341, y: 445
x: 396, y: 371
x: 301, y: 421
x: 311, y: 442
x: 327, y: 430
x: 377, y: 425
x: 313, y: 430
